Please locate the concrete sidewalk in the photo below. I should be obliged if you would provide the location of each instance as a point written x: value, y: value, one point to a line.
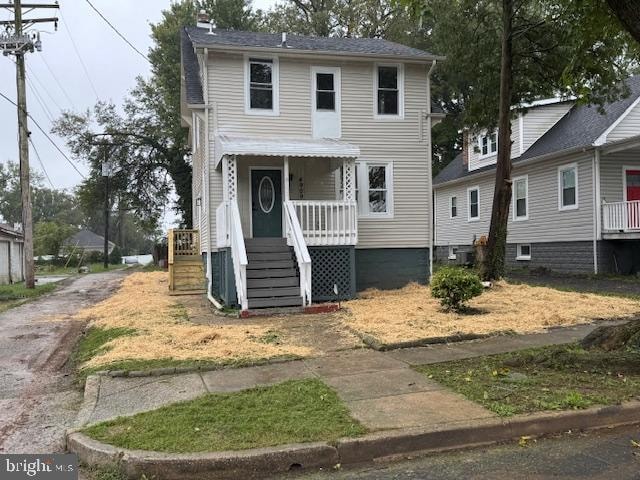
x: 379, y: 388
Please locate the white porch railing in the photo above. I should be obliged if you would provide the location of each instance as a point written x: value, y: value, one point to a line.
x: 296, y: 239
x: 327, y: 222
x: 621, y: 216
x: 229, y: 234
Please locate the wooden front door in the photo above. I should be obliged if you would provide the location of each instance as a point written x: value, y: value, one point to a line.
x: 266, y: 203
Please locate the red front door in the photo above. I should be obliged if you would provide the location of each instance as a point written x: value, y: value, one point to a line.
x: 633, y: 195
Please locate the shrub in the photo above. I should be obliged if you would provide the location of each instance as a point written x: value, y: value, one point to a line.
x: 454, y: 286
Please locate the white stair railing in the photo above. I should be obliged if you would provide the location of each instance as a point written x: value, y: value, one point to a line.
x: 621, y: 216
x: 296, y: 239
x: 238, y: 253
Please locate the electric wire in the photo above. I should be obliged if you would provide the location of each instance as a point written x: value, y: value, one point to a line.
x: 117, y: 31
x: 55, y: 78
x: 84, y: 66
x: 41, y: 163
x: 35, y: 122
x: 43, y: 87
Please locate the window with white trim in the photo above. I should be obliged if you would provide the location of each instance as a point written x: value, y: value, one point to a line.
x: 261, y: 85
x: 389, y: 86
x: 568, y: 187
x: 453, y: 207
x: 523, y: 251
x: 488, y: 144
x: 521, y: 198
x: 375, y: 188
x: 453, y: 252
x: 473, y: 203
x: 325, y: 91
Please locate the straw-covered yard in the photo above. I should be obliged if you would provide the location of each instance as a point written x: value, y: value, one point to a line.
x: 411, y: 313
x: 158, y: 327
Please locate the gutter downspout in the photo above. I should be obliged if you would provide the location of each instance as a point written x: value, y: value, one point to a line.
x: 596, y: 207
x: 430, y: 172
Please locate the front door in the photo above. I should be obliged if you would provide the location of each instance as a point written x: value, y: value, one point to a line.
x: 632, y: 179
x: 266, y: 203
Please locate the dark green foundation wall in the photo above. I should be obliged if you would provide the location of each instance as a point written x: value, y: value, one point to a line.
x: 388, y: 268
x: 223, y: 285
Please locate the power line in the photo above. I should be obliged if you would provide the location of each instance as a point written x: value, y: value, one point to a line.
x: 39, y: 99
x: 117, y: 31
x: 55, y: 78
x: 75, y: 48
x: 41, y: 163
x: 35, y: 122
x: 46, y: 90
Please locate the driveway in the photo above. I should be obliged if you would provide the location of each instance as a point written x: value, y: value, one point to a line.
x: 38, y: 396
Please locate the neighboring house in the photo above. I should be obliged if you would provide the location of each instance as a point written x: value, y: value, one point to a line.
x: 576, y: 189
x: 87, y: 241
x: 11, y: 255
x: 311, y: 164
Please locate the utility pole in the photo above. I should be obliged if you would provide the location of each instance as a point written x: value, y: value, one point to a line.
x: 106, y: 171
x: 18, y: 44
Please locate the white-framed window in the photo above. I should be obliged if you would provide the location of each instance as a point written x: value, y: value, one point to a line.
x: 523, y: 251
x: 453, y: 252
x: 568, y: 187
x: 388, y: 88
x: 453, y: 207
x: 488, y: 144
x: 261, y: 85
x: 521, y: 198
x: 325, y: 89
x: 375, y: 188
x: 473, y: 203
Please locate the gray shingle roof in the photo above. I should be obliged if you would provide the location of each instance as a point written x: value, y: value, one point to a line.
x: 580, y: 127
x: 86, y: 239
x: 338, y: 45
x: 191, y: 69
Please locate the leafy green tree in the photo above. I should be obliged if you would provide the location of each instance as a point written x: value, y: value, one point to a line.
x: 49, y: 236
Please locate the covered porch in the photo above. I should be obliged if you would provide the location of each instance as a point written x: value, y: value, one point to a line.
x: 280, y: 197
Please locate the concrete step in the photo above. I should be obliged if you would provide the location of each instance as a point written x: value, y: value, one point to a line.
x: 286, y: 281
x: 268, y: 256
x: 262, y: 265
x: 271, y: 273
x: 273, y: 292
x: 293, y: 301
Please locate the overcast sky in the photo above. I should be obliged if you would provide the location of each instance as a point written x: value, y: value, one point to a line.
x: 58, y: 77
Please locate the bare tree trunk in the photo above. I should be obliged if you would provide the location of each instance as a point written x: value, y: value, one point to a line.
x: 628, y: 12
x: 493, y: 266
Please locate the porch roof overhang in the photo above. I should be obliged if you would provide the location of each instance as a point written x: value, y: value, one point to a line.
x: 282, y: 147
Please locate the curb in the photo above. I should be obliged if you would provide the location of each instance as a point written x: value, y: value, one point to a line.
x: 257, y: 463
x: 375, y: 344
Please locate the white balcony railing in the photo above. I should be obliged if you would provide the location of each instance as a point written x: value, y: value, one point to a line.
x: 327, y: 222
x: 621, y: 216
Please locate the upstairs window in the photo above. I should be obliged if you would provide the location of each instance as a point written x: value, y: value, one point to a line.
x: 474, y: 203
x: 520, y: 198
x: 568, y: 187
x: 262, y: 85
x: 388, y: 86
x: 488, y: 144
x: 325, y: 92
x: 453, y: 204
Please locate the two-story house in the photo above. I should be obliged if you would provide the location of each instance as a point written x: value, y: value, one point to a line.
x: 576, y: 188
x: 311, y: 164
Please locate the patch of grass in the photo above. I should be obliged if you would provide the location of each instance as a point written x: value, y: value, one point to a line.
x: 271, y: 337
x: 102, y: 472
x: 291, y: 412
x: 94, y: 342
x: 16, y: 294
x: 551, y: 378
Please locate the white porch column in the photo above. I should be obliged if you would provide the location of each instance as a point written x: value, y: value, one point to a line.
x: 349, y: 179
x: 286, y: 178
x: 229, y: 178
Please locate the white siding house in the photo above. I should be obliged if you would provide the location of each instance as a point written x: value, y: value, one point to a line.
x: 11, y: 256
x: 576, y: 191
x: 310, y: 153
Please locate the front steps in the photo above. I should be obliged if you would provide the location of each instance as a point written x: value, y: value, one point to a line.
x: 272, y: 279
x: 186, y: 274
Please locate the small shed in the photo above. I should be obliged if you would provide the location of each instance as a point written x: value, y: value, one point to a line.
x: 87, y: 241
x: 11, y: 255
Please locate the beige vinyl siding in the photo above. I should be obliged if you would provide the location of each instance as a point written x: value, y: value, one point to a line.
x: 394, y: 140
x: 628, y: 127
x: 545, y: 224
x: 199, y: 213
x: 537, y: 121
x: 611, y: 174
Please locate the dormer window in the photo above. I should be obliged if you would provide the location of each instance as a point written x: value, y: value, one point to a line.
x: 488, y: 144
x: 261, y: 86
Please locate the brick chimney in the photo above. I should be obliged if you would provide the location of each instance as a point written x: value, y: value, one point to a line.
x: 203, y: 19
x: 465, y: 147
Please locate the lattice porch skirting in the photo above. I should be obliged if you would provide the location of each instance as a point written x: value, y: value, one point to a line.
x: 333, y: 266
